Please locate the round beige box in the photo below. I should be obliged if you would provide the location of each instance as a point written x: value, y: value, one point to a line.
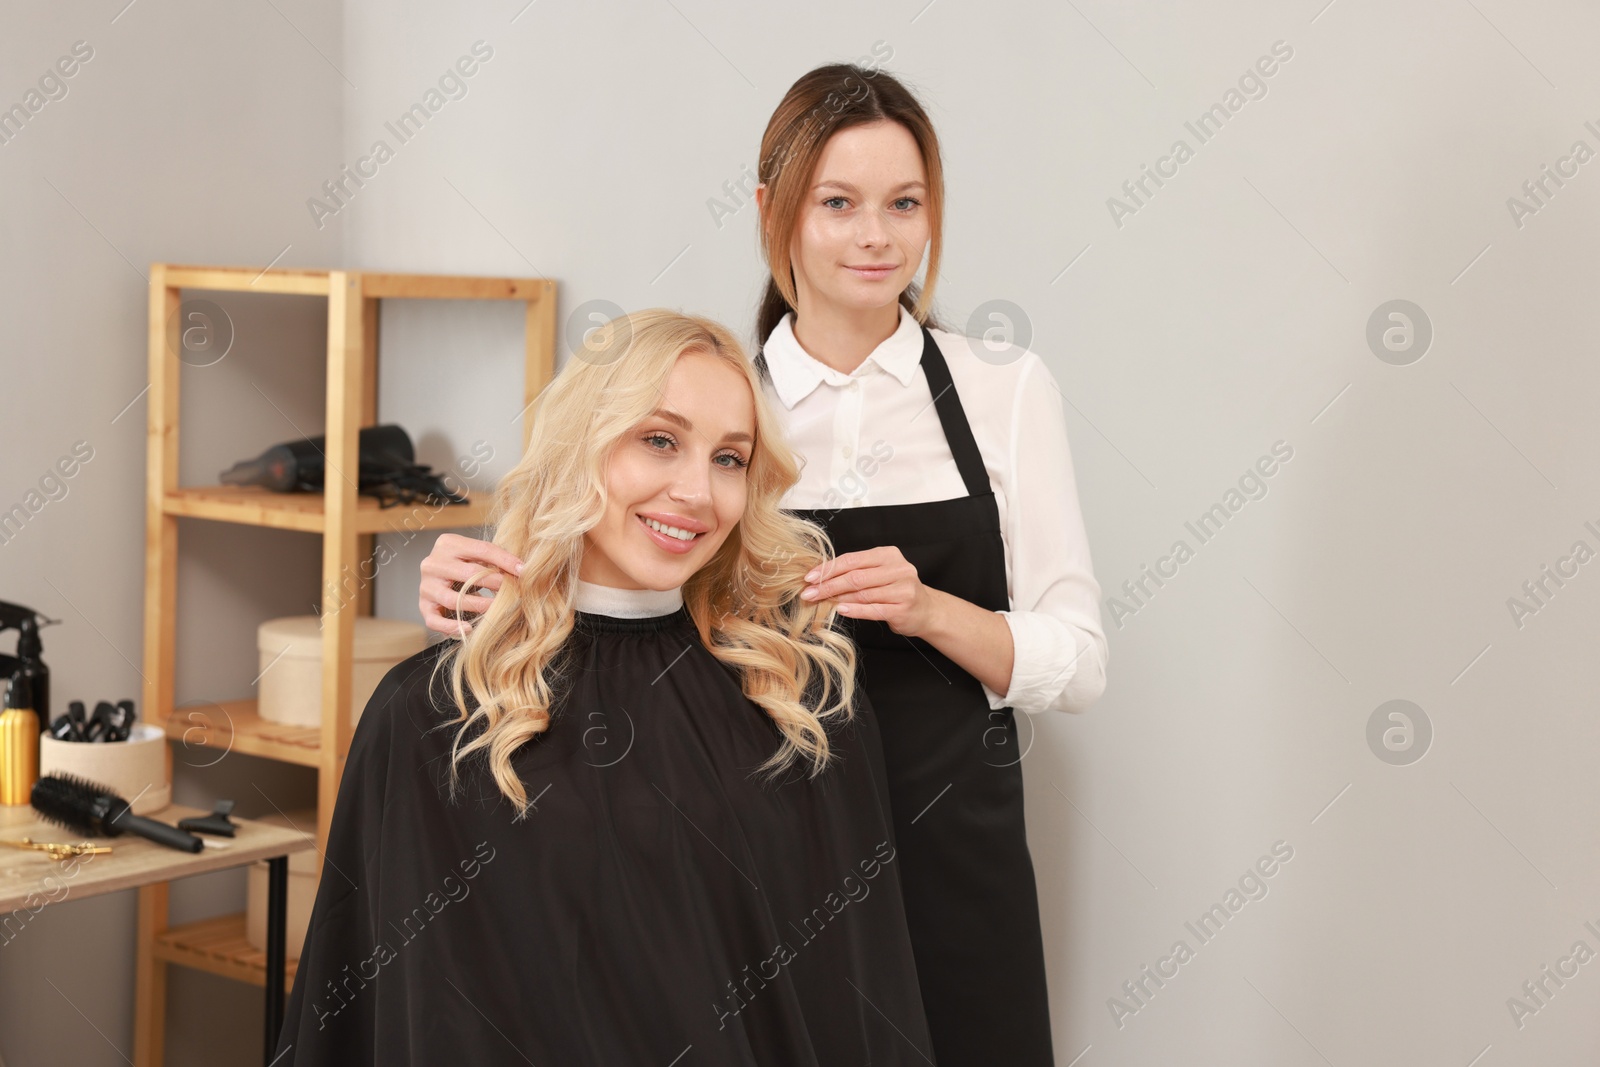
x: 135, y: 769
x: 302, y: 888
x: 290, y: 690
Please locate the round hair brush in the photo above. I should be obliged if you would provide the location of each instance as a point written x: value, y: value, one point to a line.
x: 95, y: 811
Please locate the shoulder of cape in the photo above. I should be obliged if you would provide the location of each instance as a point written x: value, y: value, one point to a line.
x: 403, y: 706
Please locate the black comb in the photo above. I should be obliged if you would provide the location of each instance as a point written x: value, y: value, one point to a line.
x: 87, y: 808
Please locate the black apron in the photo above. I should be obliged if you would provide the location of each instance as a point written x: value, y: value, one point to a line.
x: 954, y: 770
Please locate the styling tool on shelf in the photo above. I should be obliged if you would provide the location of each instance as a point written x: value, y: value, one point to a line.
x: 122, y: 721
x: 94, y: 811
x: 110, y: 722
x: 100, y: 721
x: 19, y: 742
x: 57, y: 850
x: 388, y: 469
x: 27, y: 623
x: 216, y: 823
x: 69, y: 725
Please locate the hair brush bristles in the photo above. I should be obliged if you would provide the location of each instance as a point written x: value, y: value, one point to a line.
x: 80, y: 805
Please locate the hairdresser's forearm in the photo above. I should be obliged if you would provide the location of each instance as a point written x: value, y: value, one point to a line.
x: 976, y: 639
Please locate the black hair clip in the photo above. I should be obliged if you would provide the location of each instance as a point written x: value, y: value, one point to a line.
x: 110, y: 722
x: 122, y: 717
x: 100, y: 721
x: 69, y: 724
x: 215, y: 823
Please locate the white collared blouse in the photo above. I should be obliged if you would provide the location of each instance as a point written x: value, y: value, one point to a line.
x: 872, y: 437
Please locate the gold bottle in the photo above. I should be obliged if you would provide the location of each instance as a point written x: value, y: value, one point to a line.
x: 19, y: 744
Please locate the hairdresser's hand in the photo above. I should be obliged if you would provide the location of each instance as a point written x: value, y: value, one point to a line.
x: 879, y: 583
x: 452, y: 562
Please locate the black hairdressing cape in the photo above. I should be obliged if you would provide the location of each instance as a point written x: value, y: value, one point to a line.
x: 662, y: 905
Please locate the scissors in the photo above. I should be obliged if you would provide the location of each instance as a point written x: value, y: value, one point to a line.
x: 58, y: 851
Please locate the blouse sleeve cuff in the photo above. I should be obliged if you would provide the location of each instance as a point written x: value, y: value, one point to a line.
x: 1044, y: 657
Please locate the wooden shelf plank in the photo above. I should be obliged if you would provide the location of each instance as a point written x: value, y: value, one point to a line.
x: 248, y: 280
x: 219, y: 946
x: 235, y: 726
x: 375, y: 285
x: 453, y: 287
x: 251, y: 505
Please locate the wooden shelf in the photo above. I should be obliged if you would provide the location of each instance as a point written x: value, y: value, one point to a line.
x: 235, y: 726
x: 369, y: 286
x: 219, y: 946
x: 348, y: 525
x: 251, y: 505
x: 248, y: 280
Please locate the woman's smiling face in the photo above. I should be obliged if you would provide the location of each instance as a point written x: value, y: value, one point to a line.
x: 676, y: 482
x: 863, y: 224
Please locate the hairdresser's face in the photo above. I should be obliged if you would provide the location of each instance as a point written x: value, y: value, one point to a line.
x: 682, y: 467
x: 866, y: 208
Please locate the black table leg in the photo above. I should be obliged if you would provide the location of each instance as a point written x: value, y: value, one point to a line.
x: 277, y: 920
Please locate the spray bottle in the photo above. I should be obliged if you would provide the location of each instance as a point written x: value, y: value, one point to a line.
x: 19, y: 743
x: 27, y: 661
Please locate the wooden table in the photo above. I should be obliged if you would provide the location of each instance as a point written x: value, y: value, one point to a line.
x: 30, y: 881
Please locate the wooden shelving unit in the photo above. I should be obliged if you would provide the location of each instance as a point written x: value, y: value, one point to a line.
x: 219, y: 946
x: 348, y: 525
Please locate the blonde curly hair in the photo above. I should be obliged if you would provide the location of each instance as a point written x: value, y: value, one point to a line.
x: 744, y: 602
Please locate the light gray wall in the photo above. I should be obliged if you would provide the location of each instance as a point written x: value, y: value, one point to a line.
x: 1230, y: 312
x: 186, y: 138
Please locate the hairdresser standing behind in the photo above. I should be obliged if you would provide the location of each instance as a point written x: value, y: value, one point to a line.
x: 944, y: 479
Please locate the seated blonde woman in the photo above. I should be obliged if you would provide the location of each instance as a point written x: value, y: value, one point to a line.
x: 637, y: 816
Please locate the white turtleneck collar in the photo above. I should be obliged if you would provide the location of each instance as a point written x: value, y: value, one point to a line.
x: 596, y: 599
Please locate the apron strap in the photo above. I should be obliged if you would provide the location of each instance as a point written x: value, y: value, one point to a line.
x: 953, y: 418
